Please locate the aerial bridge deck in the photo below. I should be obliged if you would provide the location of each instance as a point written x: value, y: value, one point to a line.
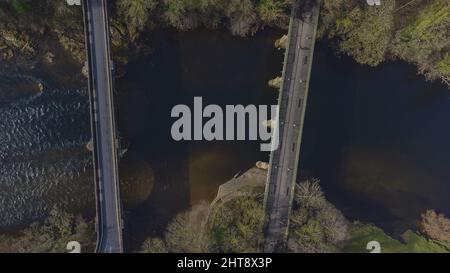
x: 103, y: 126
x: 292, y: 101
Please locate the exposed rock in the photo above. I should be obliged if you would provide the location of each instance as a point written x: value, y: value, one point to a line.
x: 269, y: 123
x: 262, y: 165
x: 282, y: 42
x: 40, y: 87
x: 49, y: 57
x: 276, y: 83
x: 85, y: 70
x: 89, y: 146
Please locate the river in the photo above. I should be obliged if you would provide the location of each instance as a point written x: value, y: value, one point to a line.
x: 377, y: 138
x: 214, y: 65
x: 43, y: 132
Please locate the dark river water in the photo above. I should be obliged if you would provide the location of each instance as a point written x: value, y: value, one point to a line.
x: 222, y: 70
x: 377, y: 138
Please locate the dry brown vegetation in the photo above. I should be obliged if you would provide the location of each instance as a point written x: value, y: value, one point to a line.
x: 435, y: 226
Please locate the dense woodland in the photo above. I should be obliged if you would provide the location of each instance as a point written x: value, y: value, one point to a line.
x: 417, y: 31
x: 243, y: 17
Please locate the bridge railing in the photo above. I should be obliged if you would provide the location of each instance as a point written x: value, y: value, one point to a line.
x: 86, y: 19
x: 282, y: 98
x: 113, y: 120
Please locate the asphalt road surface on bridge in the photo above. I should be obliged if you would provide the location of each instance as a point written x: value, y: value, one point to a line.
x: 292, y: 102
x: 109, y: 220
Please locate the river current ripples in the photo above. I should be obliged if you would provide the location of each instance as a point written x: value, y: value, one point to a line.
x: 43, y: 158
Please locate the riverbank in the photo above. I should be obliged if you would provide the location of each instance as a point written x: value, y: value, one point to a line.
x: 26, y: 31
x: 370, y: 35
x: 25, y: 26
x: 51, y: 235
x: 234, y: 222
x: 34, y: 31
x: 417, y: 32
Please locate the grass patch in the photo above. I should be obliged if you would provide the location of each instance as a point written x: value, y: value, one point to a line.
x: 20, y: 6
x: 361, y: 234
x: 433, y: 16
